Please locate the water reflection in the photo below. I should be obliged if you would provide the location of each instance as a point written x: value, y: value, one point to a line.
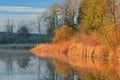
x: 23, y: 61
x: 107, y: 69
x: 64, y: 69
x: 9, y: 64
x: 25, y: 66
x: 83, y: 68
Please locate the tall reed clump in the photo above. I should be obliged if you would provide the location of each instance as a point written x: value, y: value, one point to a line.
x: 87, y: 46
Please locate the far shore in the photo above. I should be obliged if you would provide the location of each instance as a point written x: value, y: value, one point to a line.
x: 17, y: 46
x: 14, y: 51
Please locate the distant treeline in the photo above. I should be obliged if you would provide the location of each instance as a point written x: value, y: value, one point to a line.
x: 6, y: 38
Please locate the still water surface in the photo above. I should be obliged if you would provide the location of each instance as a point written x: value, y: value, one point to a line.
x: 23, y: 65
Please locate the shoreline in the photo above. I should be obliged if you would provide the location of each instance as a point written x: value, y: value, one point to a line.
x: 77, y: 49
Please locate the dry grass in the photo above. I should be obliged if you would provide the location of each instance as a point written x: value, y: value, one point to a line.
x: 81, y: 45
x: 78, y: 49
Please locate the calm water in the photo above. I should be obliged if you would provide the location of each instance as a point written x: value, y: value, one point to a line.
x: 22, y: 65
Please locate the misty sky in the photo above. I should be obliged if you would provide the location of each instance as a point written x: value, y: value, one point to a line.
x: 19, y: 10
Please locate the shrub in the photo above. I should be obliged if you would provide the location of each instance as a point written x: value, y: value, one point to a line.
x: 92, y: 39
x: 63, y: 33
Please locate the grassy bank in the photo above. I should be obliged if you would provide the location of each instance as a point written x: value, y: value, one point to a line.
x: 84, y: 58
x: 78, y: 49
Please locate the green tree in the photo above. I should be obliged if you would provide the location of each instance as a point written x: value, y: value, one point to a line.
x: 101, y: 17
x: 80, y: 15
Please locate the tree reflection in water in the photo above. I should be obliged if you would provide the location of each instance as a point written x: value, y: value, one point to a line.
x: 23, y: 61
x: 45, y: 69
x: 11, y: 58
x: 9, y: 64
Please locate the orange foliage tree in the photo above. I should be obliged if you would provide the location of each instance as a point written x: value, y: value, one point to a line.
x: 63, y: 33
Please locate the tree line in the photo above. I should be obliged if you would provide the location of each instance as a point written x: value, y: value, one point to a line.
x: 78, y: 17
x: 101, y: 17
x: 22, y: 33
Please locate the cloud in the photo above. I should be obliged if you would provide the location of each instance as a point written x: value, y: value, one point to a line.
x: 20, y: 9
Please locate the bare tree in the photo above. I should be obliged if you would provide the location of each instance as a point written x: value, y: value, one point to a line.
x: 69, y: 10
x: 9, y: 29
x: 55, y: 12
x: 10, y: 26
x: 52, y: 19
x: 38, y: 24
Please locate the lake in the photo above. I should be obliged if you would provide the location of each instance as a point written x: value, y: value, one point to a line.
x: 23, y: 65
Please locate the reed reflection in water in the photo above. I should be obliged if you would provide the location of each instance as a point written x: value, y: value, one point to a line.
x: 25, y: 66
x: 83, y: 68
